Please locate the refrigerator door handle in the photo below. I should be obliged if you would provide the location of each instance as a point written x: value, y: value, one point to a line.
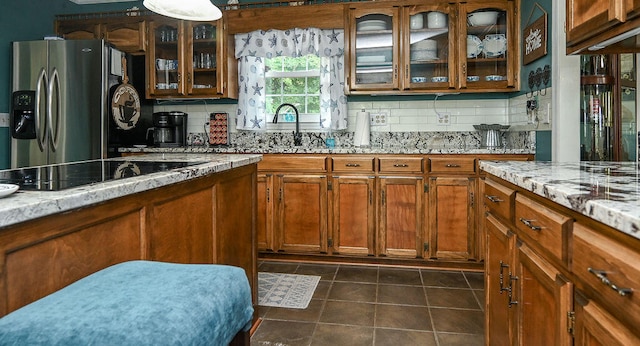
x: 40, y: 137
x: 54, y: 83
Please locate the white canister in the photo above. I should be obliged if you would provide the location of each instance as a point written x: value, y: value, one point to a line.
x: 416, y: 21
x: 436, y: 20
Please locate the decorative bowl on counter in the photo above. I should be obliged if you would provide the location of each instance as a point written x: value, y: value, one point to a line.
x: 482, y: 18
x: 418, y: 79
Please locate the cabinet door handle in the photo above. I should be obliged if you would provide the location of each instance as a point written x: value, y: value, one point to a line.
x: 370, y: 197
x: 502, y: 266
x: 352, y: 165
x: 400, y: 165
x: 452, y: 165
x: 510, y: 290
x: 395, y: 71
x: 529, y: 224
x: 268, y: 195
x: 602, y: 276
x: 494, y: 199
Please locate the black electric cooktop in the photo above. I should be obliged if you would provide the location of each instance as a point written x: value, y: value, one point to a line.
x: 65, y: 176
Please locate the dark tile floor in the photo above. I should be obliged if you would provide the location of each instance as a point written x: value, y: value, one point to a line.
x: 377, y: 305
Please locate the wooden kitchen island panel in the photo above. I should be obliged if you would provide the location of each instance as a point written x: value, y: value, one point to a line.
x: 200, y: 220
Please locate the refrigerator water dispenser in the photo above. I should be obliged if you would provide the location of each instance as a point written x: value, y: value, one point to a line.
x: 23, y: 122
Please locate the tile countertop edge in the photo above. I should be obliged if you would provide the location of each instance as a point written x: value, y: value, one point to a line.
x: 608, y: 192
x: 28, y: 205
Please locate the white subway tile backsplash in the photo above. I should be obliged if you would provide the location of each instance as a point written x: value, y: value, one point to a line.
x: 405, y: 116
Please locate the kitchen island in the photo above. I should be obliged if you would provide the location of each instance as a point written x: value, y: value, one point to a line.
x: 562, y: 262
x: 201, y: 213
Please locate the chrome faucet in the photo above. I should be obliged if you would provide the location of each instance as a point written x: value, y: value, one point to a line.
x: 297, y: 136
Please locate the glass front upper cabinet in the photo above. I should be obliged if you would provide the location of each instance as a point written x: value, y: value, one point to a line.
x: 428, y: 49
x: 165, y: 58
x: 374, y: 48
x: 488, y: 56
x: 202, y: 74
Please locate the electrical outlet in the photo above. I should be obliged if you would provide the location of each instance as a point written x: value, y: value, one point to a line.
x: 378, y: 119
x: 4, y: 119
x: 444, y: 118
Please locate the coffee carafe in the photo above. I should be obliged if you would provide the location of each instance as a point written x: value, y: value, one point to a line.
x: 169, y: 129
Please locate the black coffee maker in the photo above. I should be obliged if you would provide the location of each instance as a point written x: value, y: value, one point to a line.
x: 169, y: 129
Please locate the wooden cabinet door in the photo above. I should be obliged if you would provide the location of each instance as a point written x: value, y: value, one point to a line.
x: 499, y: 266
x: 73, y: 30
x: 373, y: 51
x: 594, y: 326
x: 353, y: 215
x: 130, y: 37
x: 202, y: 58
x: 166, y: 59
x: 265, y: 215
x: 496, y: 65
x: 400, y: 231
x: 543, y: 299
x: 587, y: 18
x: 302, y: 213
x: 452, y: 221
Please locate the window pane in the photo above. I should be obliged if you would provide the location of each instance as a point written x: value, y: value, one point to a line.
x: 272, y: 104
x: 274, y: 64
x: 294, y: 86
x: 273, y: 86
x: 313, y: 86
x: 313, y: 104
x: 297, y: 101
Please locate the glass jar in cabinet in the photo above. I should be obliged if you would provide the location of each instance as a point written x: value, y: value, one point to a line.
x: 428, y: 48
x: 165, y: 59
x: 488, y: 55
x: 374, y: 48
x: 202, y: 73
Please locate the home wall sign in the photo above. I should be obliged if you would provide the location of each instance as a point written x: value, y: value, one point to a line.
x: 534, y: 37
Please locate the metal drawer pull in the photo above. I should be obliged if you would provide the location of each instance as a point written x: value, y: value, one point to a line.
x: 494, y: 199
x: 510, y: 290
x: 530, y: 225
x: 602, y: 275
x: 400, y: 165
x: 352, y: 165
x: 502, y: 288
x: 452, y: 165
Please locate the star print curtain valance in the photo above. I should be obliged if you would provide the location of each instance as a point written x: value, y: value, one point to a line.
x: 251, y: 50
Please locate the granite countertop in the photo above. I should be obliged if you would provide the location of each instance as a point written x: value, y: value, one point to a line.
x: 25, y: 205
x: 391, y: 149
x: 608, y: 192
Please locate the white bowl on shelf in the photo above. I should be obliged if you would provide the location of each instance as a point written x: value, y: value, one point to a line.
x: 416, y: 21
x: 436, y: 20
x: 371, y: 25
x: 483, y: 18
x: 439, y: 79
x: 418, y: 79
x: 425, y: 44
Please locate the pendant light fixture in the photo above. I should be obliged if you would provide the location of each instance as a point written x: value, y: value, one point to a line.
x: 196, y: 10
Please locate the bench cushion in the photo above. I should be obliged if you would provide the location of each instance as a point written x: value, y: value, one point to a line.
x: 138, y: 303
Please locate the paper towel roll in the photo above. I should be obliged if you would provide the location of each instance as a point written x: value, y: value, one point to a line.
x: 361, y: 137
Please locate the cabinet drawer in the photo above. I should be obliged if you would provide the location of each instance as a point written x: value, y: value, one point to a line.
x: 399, y: 164
x: 464, y: 165
x: 360, y: 164
x: 546, y: 227
x: 298, y: 163
x: 608, y: 268
x: 499, y: 199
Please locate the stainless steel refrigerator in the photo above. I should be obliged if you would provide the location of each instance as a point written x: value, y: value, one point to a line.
x: 60, y: 100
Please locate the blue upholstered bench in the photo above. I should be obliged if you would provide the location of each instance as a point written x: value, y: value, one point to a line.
x: 138, y: 303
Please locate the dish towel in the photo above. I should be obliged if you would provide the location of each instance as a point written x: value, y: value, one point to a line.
x: 363, y: 130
